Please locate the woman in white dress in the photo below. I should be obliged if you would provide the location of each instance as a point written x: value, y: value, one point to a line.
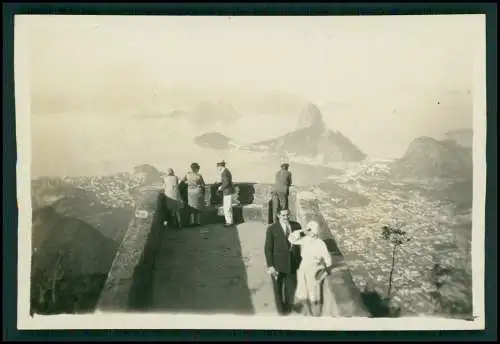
x: 314, y: 267
x: 173, y: 196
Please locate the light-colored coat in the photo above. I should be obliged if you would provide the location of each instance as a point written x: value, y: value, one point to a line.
x: 172, y: 192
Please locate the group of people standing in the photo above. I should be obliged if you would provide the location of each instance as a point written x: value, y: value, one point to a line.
x: 297, y: 259
x: 195, y: 189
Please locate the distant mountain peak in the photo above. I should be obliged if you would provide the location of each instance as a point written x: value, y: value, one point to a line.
x: 311, y: 117
x: 312, y: 139
x: 427, y: 157
x: 150, y: 173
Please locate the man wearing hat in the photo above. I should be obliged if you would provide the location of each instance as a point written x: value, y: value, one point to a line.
x: 281, y: 189
x: 227, y: 190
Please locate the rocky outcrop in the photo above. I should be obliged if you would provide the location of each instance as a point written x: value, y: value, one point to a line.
x: 70, y: 262
x: 86, y: 249
x: 310, y: 117
x: 427, y: 157
x: 148, y: 174
x: 312, y: 139
x: 334, y: 146
x: 78, y: 224
x: 214, y: 140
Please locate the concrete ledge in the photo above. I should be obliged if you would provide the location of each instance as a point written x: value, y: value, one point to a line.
x: 341, y: 297
x: 250, y: 203
x: 132, y: 268
x: 245, y: 193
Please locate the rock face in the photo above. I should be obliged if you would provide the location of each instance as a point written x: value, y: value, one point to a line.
x: 427, y: 157
x: 85, y: 248
x: 78, y: 224
x: 313, y: 139
x: 336, y: 147
x: 310, y: 117
x: 69, y: 265
x: 148, y: 174
x: 462, y: 137
x: 214, y: 140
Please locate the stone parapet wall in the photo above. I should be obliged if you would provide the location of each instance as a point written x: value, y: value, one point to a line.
x: 126, y: 287
x: 341, y: 296
x: 245, y: 193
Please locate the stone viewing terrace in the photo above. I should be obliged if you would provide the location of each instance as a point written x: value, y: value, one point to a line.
x: 210, y: 268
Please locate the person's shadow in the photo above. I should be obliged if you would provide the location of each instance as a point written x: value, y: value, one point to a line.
x: 378, y: 306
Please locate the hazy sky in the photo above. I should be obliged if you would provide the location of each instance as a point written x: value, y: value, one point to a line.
x: 319, y: 57
x: 386, y: 64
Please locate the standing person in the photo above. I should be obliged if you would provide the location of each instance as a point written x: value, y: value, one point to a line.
x: 282, y: 259
x: 281, y: 189
x: 227, y: 190
x: 172, y: 196
x: 195, y: 193
x: 314, y: 267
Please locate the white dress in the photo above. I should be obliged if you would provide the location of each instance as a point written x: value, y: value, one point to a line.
x: 172, y: 194
x: 315, y: 257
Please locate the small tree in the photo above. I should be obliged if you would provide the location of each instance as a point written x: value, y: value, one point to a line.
x: 396, y: 237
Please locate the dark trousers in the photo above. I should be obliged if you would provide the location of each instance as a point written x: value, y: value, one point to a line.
x: 280, y: 201
x: 284, y: 286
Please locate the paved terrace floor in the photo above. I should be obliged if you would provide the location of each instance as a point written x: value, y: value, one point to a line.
x: 213, y: 269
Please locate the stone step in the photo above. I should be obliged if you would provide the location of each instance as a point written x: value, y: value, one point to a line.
x: 241, y: 213
x: 255, y: 212
x: 252, y: 212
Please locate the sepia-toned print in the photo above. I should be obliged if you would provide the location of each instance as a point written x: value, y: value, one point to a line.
x: 266, y: 169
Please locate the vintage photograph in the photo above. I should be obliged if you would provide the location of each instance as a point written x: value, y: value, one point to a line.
x: 253, y: 167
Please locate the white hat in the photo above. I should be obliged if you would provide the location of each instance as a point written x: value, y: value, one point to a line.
x: 313, y: 226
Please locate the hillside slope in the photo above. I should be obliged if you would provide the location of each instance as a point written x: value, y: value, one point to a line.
x: 70, y: 263
x: 312, y: 139
x: 427, y: 157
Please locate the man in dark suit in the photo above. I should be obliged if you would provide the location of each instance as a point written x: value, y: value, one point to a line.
x: 283, y: 260
x: 227, y: 190
x: 281, y: 190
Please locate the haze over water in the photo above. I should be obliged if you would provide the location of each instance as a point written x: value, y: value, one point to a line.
x: 101, y: 145
x: 381, y: 81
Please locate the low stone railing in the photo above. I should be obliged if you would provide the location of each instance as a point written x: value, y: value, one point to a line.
x: 250, y: 202
x: 129, y: 278
x: 341, y: 297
